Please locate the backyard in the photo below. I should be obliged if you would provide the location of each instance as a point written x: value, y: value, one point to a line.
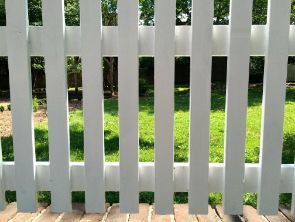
x: 146, y: 135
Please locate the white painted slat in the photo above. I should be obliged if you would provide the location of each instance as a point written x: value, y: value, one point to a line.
x: 128, y: 104
x: 21, y: 103
x: 293, y: 196
x: 273, y: 105
x: 93, y: 105
x: 2, y: 191
x: 164, y: 104
x: 236, y: 105
x: 146, y: 40
x: 146, y: 177
x: 57, y: 104
x: 200, y: 97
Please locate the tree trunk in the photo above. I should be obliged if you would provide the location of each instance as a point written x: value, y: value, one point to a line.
x: 76, y: 83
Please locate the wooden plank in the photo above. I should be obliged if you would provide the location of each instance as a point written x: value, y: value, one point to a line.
x: 21, y: 103
x: 147, y: 176
x: 210, y: 217
x: 287, y: 213
x: 181, y: 213
x: 273, y: 104
x: 93, y: 105
x: 236, y: 105
x: 146, y: 40
x: 277, y: 218
x: 92, y: 217
x: 250, y: 215
x: 8, y: 213
x: 2, y: 191
x: 114, y: 215
x: 75, y: 215
x: 227, y: 217
x: 57, y: 104
x: 293, y: 196
x: 161, y: 218
x: 142, y: 215
x: 200, y: 96
x: 26, y: 217
x: 128, y: 104
x: 48, y: 216
x: 95, y: 217
x: 164, y: 105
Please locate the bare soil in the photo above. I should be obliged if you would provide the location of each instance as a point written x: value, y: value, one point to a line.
x: 39, y: 116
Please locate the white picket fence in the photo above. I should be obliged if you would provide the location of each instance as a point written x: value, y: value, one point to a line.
x: 164, y: 41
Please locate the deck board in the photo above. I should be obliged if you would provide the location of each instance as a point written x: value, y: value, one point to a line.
x: 161, y: 218
x: 210, y: 217
x: 47, y: 216
x: 228, y: 218
x: 114, y: 215
x: 142, y: 215
x: 277, y: 218
x: 24, y: 217
x: 75, y: 215
x: 181, y: 214
x: 287, y: 213
x: 8, y: 213
x: 250, y: 215
x: 146, y: 214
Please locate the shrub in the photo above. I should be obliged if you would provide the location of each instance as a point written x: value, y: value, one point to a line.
x: 143, y: 87
x: 36, y: 104
x: 2, y: 109
x: 9, y: 107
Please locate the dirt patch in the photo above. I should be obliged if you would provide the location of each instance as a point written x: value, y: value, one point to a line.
x: 39, y: 116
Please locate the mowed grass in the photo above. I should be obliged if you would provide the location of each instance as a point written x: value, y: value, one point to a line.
x: 181, y: 134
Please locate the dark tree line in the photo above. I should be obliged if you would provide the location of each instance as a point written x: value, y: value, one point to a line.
x: 146, y: 7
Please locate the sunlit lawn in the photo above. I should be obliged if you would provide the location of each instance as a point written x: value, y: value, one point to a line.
x: 181, y: 133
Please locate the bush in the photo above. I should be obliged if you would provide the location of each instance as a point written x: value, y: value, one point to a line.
x: 143, y: 87
x: 2, y: 109
x: 36, y: 104
x: 9, y: 107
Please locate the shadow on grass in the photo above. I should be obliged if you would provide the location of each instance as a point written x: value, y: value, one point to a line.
x: 76, y: 144
x: 288, y: 148
x: 146, y: 104
x: 217, y: 100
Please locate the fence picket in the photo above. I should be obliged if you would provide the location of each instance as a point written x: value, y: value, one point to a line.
x: 21, y: 100
x: 200, y: 96
x: 57, y: 104
x: 128, y: 104
x: 93, y: 105
x: 164, y: 104
x: 293, y: 196
x: 275, y: 74
x: 164, y: 41
x: 2, y: 191
x: 236, y: 105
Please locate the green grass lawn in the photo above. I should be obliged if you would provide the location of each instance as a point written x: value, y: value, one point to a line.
x: 181, y: 132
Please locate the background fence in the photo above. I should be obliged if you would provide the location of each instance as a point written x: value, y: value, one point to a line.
x: 164, y: 41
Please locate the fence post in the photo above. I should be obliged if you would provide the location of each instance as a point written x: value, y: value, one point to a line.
x: 200, y: 97
x: 17, y: 32
x: 128, y: 104
x: 2, y: 191
x: 164, y: 104
x: 236, y: 105
x: 293, y: 195
x: 274, y: 90
x: 57, y: 104
x: 93, y: 105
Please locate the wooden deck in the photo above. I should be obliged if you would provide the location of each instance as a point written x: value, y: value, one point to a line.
x: 146, y: 213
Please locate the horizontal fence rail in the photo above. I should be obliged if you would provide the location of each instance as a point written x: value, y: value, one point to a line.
x: 146, y: 177
x: 146, y: 40
x: 239, y: 40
